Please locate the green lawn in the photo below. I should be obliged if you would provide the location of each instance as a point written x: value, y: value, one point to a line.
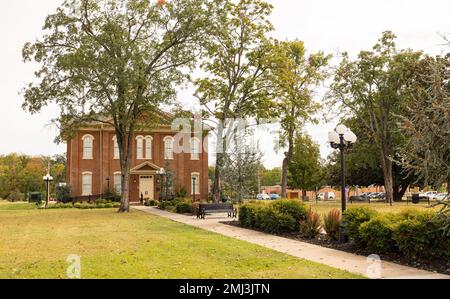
x: 36, y: 243
x: 323, y: 207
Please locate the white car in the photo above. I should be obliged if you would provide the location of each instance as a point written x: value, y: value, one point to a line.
x: 263, y: 196
x: 440, y: 196
x: 321, y: 196
x: 428, y: 195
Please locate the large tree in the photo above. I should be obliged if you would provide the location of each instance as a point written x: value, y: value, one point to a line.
x: 427, y: 122
x: 294, y: 77
x: 116, y: 62
x: 305, y: 170
x: 372, y: 89
x: 236, y: 66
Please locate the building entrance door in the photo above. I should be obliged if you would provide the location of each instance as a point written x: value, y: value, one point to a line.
x: 146, y: 187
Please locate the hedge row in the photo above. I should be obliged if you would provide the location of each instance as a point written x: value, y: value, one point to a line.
x: 85, y: 206
x: 281, y: 216
x: 415, y: 234
x: 178, y: 205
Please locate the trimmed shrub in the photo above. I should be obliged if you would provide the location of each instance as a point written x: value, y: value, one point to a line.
x: 270, y: 220
x: 421, y: 235
x: 247, y: 214
x: 376, y: 234
x: 184, y: 208
x: 281, y: 216
x: 331, y: 223
x: 291, y: 207
x: 63, y: 193
x: 354, y: 217
x: 109, y: 206
x: 310, y: 227
x: 16, y: 196
x: 77, y: 205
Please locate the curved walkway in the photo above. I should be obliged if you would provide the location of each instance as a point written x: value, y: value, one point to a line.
x: 331, y: 257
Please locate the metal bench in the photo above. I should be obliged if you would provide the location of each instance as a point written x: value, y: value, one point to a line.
x: 216, y: 208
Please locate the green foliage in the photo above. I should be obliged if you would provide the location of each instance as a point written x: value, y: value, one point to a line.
x: 376, y: 234
x: 420, y: 235
x: 270, y: 177
x: 15, y: 196
x: 181, y: 192
x: 184, y: 207
x: 305, y: 171
x: 63, y: 193
x: 23, y: 174
x: 354, y: 217
x: 281, y: 216
x: 331, y: 223
x: 310, y: 227
x: 151, y: 203
x: 292, y: 207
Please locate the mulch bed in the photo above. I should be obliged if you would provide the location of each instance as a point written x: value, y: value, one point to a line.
x: 433, y: 265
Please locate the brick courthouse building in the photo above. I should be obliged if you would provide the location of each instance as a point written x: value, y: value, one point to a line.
x: 93, y: 162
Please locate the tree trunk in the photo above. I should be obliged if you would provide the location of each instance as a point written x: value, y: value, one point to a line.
x: 388, y: 180
x: 399, y: 191
x: 126, y: 150
x: 217, y: 185
x: 286, y: 162
x: 303, y: 194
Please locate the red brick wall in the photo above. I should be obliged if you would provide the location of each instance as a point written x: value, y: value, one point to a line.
x: 103, y: 150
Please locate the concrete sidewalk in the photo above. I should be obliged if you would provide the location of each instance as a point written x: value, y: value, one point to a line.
x: 331, y: 257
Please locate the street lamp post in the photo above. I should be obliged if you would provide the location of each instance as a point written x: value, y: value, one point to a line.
x: 161, y: 173
x: 342, y: 138
x: 47, y: 179
x: 194, y: 179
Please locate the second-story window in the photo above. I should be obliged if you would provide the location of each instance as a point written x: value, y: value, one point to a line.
x: 168, y: 148
x: 195, y: 149
x: 116, y: 149
x: 148, y: 147
x: 140, y: 147
x: 88, y: 147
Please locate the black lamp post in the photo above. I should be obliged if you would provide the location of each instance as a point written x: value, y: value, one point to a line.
x: 342, y: 138
x: 194, y: 179
x: 48, y: 178
x: 161, y: 173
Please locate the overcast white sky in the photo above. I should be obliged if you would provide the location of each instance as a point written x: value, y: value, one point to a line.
x: 328, y: 25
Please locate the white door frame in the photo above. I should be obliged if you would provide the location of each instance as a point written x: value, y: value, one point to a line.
x: 147, y: 186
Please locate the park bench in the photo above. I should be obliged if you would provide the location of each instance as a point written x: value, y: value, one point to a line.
x: 216, y: 208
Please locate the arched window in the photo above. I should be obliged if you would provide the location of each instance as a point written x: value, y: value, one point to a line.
x: 87, y: 183
x: 168, y: 148
x: 116, y: 149
x: 140, y: 147
x: 195, y: 151
x: 88, y: 147
x: 195, y: 183
x: 118, y: 182
x: 148, y: 147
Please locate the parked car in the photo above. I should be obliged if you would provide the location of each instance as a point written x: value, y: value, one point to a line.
x: 365, y: 196
x: 441, y: 196
x: 263, y: 196
x: 275, y: 196
x: 322, y: 196
x: 427, y: 195
x: 377, y: 196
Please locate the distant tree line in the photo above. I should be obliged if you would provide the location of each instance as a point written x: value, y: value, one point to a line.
x: 21, y: 174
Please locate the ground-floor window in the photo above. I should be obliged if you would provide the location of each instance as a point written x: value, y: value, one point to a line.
x: 87, y: 183
x: 118, y: 182
x: 195, y: 183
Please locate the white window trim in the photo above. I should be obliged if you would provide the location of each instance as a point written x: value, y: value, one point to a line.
x: 92, y: 153
x: 198, y: 149
x: 114, y: 149
x: 173, y: 142
x: 114, y: 182
x: 197, y: 190
x: 142, y: 157
x: 148, y: 139
x: 82, y: 183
